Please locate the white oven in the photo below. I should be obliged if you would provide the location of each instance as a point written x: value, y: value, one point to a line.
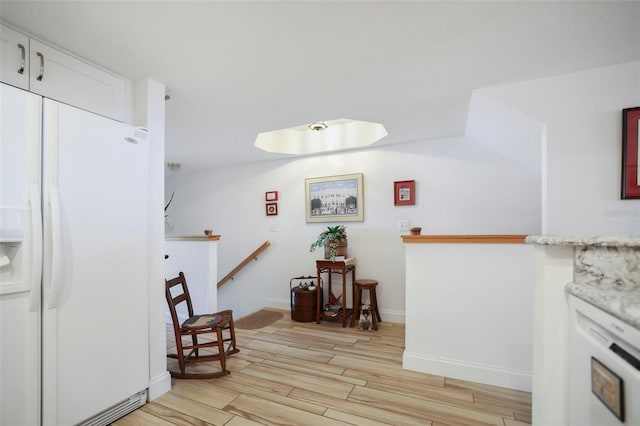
x: 604, y: 368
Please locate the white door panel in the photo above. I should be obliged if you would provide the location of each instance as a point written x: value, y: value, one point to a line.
x: 19, y: 282
x: 95, y: 343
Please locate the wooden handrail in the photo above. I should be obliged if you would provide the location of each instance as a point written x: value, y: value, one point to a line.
x: 244, y: 263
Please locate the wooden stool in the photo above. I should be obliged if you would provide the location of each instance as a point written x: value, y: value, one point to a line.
x: 365, y: 284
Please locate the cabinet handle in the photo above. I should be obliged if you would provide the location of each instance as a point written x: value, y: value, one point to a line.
x: 39, y: 78
x: 22, y: 50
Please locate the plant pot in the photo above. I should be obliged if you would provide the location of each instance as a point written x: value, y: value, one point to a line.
x: 341, y: 249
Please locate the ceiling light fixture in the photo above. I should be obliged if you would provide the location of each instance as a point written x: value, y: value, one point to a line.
x: 322, y: 136
x: 318, y: 126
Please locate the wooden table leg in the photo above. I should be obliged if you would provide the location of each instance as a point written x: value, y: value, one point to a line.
x: 319, y: 296
x: 344, y: 298
x: 353, y: 290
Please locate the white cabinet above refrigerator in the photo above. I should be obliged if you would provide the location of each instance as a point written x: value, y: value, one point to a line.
x: 35, y: 66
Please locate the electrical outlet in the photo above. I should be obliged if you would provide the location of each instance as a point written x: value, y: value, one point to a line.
x: 403, y: 225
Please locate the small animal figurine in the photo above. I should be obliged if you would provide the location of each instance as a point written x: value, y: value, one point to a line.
x: 365, y: 318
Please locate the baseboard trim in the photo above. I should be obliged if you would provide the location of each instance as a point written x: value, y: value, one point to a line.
x: 285, y: 304
x: 392, y: 316
x: 518, y: 380
x: 159, y: 385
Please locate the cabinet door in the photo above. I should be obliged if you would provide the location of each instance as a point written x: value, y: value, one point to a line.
x: 59, y: 76
x: 14, y: 58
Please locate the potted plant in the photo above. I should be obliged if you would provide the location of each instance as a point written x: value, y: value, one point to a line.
x: 333, y: 238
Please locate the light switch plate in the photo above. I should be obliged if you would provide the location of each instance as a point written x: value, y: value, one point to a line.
x: 403, y: 225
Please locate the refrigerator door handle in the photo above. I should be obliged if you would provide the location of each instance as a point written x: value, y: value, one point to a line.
x: 36, y: 261
x: 56, y: 247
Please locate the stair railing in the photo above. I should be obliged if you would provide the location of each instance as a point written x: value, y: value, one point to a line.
x: 252, y: 256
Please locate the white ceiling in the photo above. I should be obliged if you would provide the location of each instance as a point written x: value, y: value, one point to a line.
x: 235, y: 69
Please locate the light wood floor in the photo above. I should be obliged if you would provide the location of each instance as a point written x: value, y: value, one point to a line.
x: 293, y: 373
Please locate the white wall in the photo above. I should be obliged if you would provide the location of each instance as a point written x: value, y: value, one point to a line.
x: 461, y: 187
x: 581, y: 196
x: 554, y: 269
x: 198, y: 260
x: 505, y: 130
x: 149, y: 113
x: 582, y: 113
x: 470, y: 312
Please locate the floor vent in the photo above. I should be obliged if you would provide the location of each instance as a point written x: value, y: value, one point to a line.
x: 119, y: 410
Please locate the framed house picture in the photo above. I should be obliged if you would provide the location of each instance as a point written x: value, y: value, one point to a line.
x: 335, y: 198
x: 404, y: 193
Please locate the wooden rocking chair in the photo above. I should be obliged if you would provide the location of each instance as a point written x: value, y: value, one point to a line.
x: 209, y: 331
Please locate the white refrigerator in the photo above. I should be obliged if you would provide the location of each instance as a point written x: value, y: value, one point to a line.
x: 73, y: 264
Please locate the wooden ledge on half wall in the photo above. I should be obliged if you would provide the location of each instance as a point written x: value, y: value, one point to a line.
x: 464, y: 239
x: 192, y: 237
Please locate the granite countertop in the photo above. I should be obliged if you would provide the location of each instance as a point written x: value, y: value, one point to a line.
x: 623, y: 304
x: 594, y: 241
x: 609, y: 277
x: 606, y: 272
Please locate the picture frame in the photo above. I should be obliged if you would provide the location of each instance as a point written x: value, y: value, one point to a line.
x: 404, y: 193
x: 335, y: 198
x: 608, y: 387
x: 271, y: 196
x: 271, y: 209
x: 630, y: 188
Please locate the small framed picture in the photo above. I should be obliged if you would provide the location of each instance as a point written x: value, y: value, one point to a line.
x: 271, y: 196
x: 404, y: 193
x: 272, y: 209
x: 608, y: 387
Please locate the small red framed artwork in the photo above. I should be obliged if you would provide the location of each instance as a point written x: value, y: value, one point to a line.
x: 271, y: 196
x: 404, y: 193
x: 272, y: 209
x: 630, y: 153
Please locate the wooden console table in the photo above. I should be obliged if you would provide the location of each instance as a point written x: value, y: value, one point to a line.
x: 342, y: 267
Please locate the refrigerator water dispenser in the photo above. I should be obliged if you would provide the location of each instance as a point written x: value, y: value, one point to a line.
x: 13, y: 271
